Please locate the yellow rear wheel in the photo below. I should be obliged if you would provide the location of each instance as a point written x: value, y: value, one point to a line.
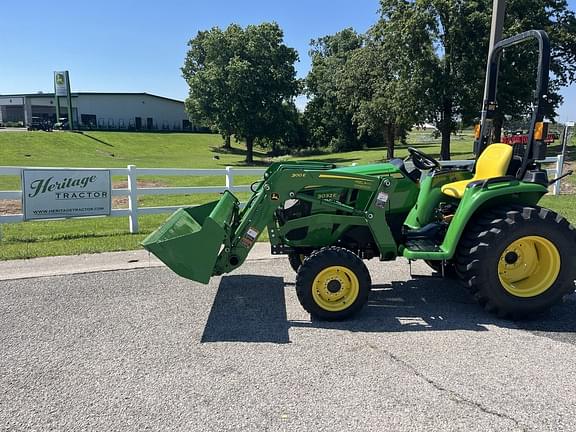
x: 518, y: 261
x: 529, y: 266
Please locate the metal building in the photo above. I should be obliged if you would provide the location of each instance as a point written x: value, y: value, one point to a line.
x: 132, y: 111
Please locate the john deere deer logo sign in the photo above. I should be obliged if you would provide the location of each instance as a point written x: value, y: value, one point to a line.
x: 60, y: 84
x: 51, y: 194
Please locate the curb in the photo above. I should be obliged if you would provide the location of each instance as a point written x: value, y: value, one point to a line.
x: 94, y: 263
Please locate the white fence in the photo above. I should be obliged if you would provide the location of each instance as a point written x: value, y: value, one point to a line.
x: 132, y: 191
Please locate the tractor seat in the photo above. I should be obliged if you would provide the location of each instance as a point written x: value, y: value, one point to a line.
x: 493, y: 162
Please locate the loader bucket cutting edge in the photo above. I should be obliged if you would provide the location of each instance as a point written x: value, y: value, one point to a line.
x: 190, y: 240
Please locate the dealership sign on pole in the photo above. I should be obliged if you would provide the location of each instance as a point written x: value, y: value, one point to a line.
x: 62, y: 88
x: 61, y: 83
x: 65, y: 193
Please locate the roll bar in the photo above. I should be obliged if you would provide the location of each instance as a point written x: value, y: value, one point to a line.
x: 489, y: 104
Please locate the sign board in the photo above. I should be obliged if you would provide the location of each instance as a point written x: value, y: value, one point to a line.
x: 65, y: 193
x: 61, y: 83
x: 570, y: 124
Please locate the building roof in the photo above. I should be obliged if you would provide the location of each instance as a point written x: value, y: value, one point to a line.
x: 51, y: 95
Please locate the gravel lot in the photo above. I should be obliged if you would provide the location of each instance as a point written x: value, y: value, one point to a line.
x: 146, y: 350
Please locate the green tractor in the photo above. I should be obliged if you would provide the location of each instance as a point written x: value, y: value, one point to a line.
x: 482, y: 225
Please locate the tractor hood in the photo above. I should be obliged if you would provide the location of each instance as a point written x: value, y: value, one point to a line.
x: 371, y: 170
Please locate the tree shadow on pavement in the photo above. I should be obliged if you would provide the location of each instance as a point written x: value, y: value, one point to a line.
x: 253, y: 309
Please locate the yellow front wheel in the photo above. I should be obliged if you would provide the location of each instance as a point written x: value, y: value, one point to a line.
x: 333, y: 284
x: 335, y: 288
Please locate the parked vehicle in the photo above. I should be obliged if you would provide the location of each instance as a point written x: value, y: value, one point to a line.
x: 483, y: 226
x: 39, y: 123
x: 62, y: 124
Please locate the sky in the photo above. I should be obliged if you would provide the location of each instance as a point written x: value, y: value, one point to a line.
x: 139, y: 46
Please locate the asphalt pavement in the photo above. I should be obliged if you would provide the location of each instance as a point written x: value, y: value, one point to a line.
x: 143, y: 349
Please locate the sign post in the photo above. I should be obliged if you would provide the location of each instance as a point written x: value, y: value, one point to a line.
x: 62, y: 88
x: 565, y: 136
x: 496, y: 30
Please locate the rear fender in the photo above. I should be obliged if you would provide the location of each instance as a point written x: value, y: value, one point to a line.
x: 477, y: 199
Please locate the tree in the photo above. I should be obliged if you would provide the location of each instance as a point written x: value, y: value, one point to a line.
x: 439, y: 40
x: 241, y: 80
x: 205, y: 71
x: 446, y: 42
x: 518, y: 71
x: 328, y: 120
x: 289, y: 132
x: 382, y: 96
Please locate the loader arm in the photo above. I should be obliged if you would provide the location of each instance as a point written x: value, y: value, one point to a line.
x: 289, y: 182
x: 213, y: 239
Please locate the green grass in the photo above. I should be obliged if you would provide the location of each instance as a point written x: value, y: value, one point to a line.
x: 562, y: 204
x: 71, y: 237
x: 117, y: 150
x: 155, y: 150
x: 108, y: 150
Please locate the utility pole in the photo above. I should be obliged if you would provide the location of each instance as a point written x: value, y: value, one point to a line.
x: 498, y: 12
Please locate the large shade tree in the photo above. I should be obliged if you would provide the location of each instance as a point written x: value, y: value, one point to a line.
x: 242, y: 81
x: 445, y: 43
x: 383, y: 97
x: 518, y: 70
x: 327, y: 116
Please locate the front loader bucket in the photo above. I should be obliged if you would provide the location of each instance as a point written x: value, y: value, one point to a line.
x: 190, y: 240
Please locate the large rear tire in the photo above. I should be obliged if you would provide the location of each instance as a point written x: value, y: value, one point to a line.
x: 333, y: 284
x: 518, y: 260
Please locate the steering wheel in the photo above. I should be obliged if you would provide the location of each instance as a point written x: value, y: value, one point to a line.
x: 422, y: 161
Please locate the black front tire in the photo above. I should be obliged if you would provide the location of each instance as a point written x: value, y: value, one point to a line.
x: 296, y: 259
x: 333, y: 284
x: 528, y: 240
